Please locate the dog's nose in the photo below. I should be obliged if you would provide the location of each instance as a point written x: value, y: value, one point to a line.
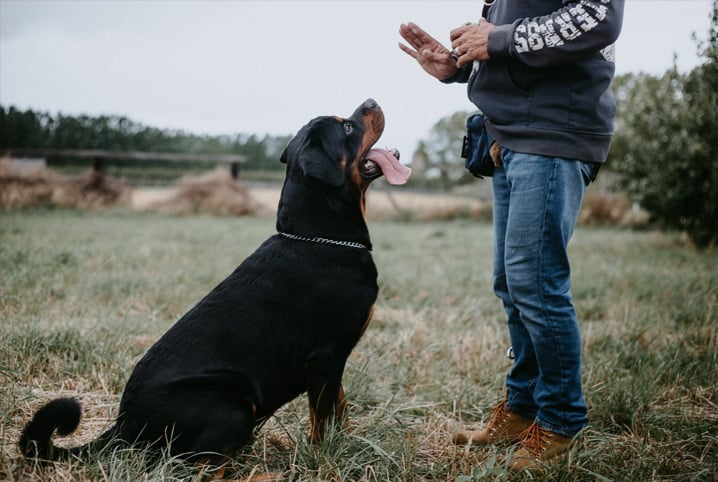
x: 369, y: 104
x: 369, y: 107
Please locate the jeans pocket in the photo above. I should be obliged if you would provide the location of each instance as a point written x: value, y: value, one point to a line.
x: 589, y: 171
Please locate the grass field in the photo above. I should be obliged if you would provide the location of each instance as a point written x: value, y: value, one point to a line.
x: 83, y: 295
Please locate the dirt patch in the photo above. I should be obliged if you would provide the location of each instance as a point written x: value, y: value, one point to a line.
x: 422, y: 206
x: 381, y: 204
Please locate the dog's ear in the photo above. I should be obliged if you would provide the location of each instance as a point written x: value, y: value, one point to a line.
x: 321, y: 156
x: 283, y: 158
x: 294, y: 145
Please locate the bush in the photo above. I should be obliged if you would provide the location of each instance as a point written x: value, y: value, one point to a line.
x: 666, y: 147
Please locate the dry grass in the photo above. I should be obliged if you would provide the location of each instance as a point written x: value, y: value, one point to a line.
x: 214, y: 192
x: 600, y: 208
x: 82, y: 297
x: 382, y: 203
x: 392, y: 203
x: 604, y: 208
x: 39, y: 186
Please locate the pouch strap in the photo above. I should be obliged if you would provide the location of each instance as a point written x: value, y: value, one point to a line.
x: 487, y: 6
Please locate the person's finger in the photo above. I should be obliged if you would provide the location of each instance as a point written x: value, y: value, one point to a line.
x: 457, y: 32
x: 459, y: 40
x: 408, y: 50
x: 421, y: 35
x: 437, y: 57
x: 411, y: 31
x: 411, y: 38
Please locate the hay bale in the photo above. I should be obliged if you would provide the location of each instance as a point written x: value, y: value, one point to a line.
x: 214, y: 192
x: 40, y: 186
x: 24, y: 187
x: 91, y: 190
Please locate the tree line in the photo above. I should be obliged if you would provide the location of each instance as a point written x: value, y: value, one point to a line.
x: 32, y: 129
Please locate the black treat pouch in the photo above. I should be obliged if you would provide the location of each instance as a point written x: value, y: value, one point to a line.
x: 475, y: 148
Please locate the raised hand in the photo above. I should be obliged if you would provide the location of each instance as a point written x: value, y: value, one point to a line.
x: 431, y: 55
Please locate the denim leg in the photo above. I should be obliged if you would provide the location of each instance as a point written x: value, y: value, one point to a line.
x: 538, y: 206
x: 522, y: 378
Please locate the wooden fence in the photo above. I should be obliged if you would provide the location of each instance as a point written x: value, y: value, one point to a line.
x: 101, y: 157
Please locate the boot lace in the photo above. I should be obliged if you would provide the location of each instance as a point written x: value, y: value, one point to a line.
x: 535, y: 440
x: 499, y: 417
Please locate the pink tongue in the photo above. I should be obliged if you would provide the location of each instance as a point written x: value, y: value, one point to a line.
x: 394, y: 171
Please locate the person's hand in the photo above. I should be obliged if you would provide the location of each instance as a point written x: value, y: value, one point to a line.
x: 471, y: 42
x: 433, y: 57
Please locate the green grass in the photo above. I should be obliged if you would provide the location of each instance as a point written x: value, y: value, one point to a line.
x: 83, y: 295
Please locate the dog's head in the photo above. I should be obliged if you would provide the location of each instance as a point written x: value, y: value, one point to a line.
x: 330, y: 164
x: 338, y: 151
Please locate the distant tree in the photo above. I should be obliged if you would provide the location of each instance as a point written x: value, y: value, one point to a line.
x: 23, y: 128
x: 442, y: 150
x: 666, y: 147
x: 41, y: 130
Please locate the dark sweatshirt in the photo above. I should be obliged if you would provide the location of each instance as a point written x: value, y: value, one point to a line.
x: 546, y: 88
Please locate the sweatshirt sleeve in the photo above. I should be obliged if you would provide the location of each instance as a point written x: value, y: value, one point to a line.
x: 572, y: 33
x: 461, y: 76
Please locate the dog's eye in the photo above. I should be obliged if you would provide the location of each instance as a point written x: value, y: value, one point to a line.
x: 348, y: 128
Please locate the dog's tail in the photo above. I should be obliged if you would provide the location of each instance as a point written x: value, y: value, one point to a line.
x: 61, y: 415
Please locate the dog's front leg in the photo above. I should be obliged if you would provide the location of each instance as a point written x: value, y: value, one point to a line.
x: 320, y: 416
x: 326, y: 395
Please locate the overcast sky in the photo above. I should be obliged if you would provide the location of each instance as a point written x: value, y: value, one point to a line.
x: 223, y: 67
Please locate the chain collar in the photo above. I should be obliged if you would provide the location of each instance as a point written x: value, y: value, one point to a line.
x: 349, y: 244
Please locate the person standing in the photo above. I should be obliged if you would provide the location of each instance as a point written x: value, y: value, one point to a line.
x: 540, y: 71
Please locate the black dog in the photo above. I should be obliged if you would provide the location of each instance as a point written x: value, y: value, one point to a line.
x: 283, y: 323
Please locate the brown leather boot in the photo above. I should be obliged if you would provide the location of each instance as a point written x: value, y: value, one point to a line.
x: 503, y: 426
x: 537, y: 447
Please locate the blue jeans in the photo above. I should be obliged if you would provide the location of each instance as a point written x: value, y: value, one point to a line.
x: 536, y: 204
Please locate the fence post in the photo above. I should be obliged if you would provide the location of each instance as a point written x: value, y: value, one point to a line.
x: 98, y: 165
